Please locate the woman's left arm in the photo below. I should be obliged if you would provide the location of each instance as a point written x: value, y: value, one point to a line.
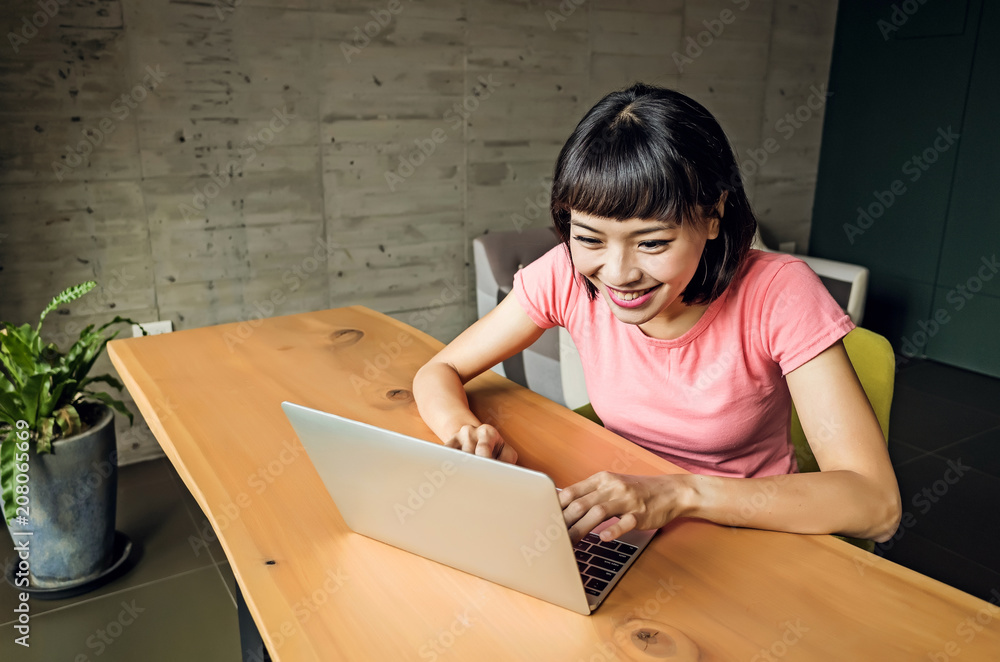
x: 854, y: 493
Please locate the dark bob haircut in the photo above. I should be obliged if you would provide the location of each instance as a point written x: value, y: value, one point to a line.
x: 652, y: 153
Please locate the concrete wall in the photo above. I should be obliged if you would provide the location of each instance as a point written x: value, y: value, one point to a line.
x: 251, y: 156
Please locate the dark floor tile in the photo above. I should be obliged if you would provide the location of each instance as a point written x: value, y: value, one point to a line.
x: 901, y: 452
x: 953, y: 506
x: 187, y: 617
x: 929, y: 558
x: 981, y: 452
x: 968, y: 388
x: 228, y: 578
x: 205, y: 543
x: 929, y: 422
x: 152, y: 514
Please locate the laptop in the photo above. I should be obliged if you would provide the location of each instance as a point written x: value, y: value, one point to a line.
x: 498, y: 521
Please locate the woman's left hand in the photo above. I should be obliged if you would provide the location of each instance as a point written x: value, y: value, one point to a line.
x: 640, y: 502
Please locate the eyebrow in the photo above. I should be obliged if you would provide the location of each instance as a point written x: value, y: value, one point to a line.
x: 654, y: 228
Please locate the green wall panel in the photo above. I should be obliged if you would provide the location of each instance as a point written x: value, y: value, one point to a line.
x: 908, y: 165
x: 973, y: 229
x: 967, y: 338
x: 892, y: 99
x: 895, y: 309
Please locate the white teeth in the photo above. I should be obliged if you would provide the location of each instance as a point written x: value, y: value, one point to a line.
x: 631, y: 295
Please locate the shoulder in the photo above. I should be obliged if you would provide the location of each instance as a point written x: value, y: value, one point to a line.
x: 764, y: 272
x: 553, y: 266
x: 548, y: 288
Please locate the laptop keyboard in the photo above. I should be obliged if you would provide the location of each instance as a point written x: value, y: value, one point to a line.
x: 600, y: 561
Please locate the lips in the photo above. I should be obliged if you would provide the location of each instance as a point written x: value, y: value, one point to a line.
x: 631, y: 298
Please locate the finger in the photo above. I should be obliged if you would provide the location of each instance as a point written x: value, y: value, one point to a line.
x: 487, y: 438
x: 463, y: 439
x: 577, y: 490
x: 509, y: 455
x: 577, y: 508
x: 625, y: 524
x: 590, y: 521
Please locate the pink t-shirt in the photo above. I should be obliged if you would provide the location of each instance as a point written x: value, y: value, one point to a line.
x: 713, y: 401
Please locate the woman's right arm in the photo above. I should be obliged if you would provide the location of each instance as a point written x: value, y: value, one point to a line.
x: 439, y: 385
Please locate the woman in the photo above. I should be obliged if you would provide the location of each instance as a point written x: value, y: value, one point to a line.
x: 693, y: 345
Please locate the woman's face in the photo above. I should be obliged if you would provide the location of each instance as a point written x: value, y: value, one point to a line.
x: 640, y: 266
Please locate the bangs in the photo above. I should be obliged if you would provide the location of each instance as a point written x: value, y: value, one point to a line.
x: 626, y: 173
x: 653, y: 153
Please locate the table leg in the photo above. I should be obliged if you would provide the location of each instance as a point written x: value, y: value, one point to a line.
x: 251, y: 642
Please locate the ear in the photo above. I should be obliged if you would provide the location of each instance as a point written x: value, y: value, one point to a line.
x: 713, y: 227
x: 720, y: 207
x: 713, y: 220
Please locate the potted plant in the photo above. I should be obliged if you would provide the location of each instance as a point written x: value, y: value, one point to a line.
x: 58, y: 460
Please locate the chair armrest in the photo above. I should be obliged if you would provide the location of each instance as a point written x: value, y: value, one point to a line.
x: 853, y: 277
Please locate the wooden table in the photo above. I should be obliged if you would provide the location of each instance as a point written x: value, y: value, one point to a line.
x: 320, y: 592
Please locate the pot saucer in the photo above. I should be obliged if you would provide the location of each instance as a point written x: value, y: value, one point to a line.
x: 123, y: 549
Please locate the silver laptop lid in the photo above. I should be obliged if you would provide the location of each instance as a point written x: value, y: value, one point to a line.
x: 494, y: 520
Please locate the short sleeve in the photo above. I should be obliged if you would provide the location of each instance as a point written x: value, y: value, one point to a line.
x: 545, y: 287
x: 799, y: 317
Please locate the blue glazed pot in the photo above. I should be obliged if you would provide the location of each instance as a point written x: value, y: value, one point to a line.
x: 73, y: 495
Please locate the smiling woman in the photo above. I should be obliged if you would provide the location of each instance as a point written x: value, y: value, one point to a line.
x: 693, y: 345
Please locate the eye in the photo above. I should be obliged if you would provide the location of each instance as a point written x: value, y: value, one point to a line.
x: 589, y: 241
x: 658, y: 243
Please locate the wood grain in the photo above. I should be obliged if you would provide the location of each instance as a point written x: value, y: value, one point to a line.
x: 319, y: 592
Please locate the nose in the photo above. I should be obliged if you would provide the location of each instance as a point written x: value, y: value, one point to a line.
x: 619, y: 269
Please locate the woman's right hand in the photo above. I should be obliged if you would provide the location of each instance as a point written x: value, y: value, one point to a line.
x: 483, y: 440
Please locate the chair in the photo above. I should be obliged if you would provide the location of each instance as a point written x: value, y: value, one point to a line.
x: 497, y: 257
x: 847, y: 283
x: 875, y: 363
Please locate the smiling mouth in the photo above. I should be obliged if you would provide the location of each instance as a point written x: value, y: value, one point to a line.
x: 631, y: 298
x: 630, y: 295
